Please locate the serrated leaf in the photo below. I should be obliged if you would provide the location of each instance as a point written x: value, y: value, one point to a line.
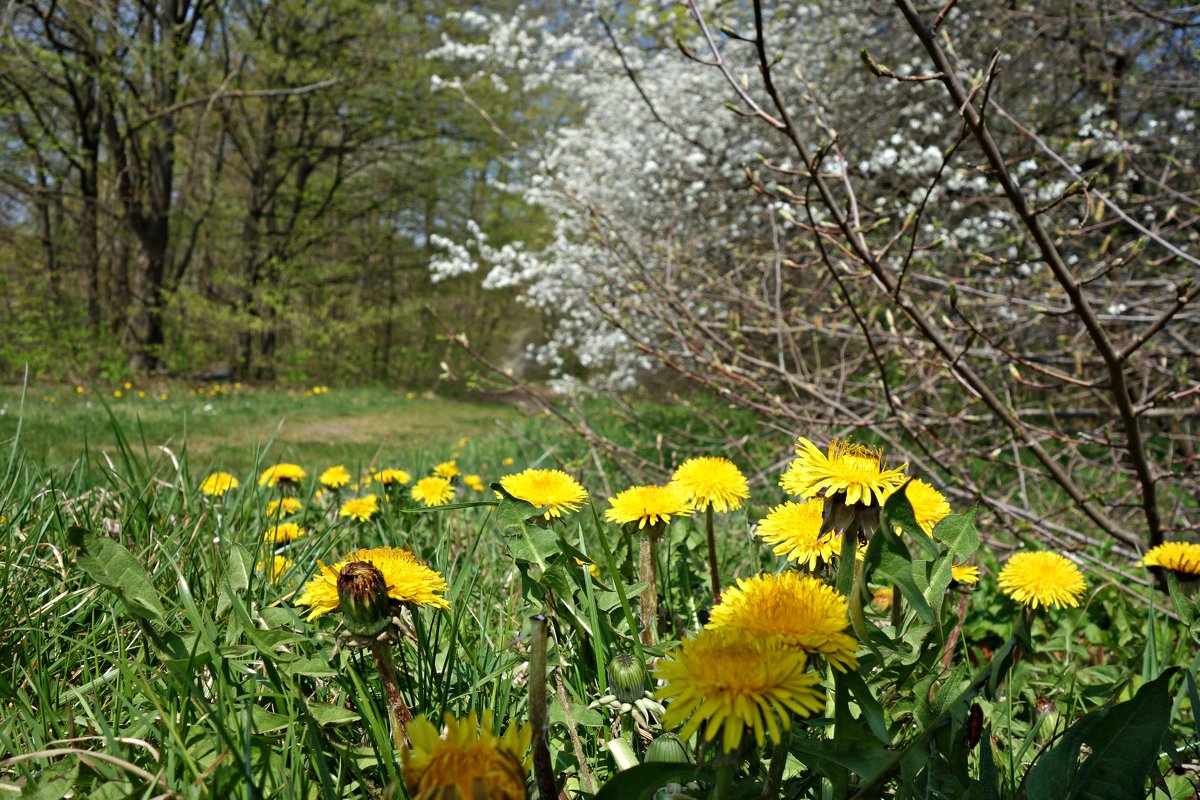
x: 264, y: 721
x: 326, y: 714
x: 112, y: 566
x: 957, y: 531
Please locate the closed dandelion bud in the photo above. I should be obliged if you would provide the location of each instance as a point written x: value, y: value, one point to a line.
x: 363, y: 593
x: 627, y: 677
x: 668, y: 749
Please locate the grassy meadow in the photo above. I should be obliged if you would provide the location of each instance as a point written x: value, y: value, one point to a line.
x: 155, y: 643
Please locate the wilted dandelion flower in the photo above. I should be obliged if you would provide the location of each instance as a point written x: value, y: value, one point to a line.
x: 728, y: 681
x: 282, y: 474
x: 964, y: 573
x: 1042, y: 579
x: 283, y: 532
x: 217, y: 484
x: 800, y: 610
x: 392, y: 477
x: 408, y: 580
x: 1182, y: 558
x: 466, y: 761
x: 648, y: 505
x: 711, y: 480
x: 795, y: 530
x: 928, y: 504
x: 473, y: 482
x: 283, y: 506
x: 360, y: 509
x: 447, y: 470
x: 433, y: 491
x: 546, y: 487
x: 335, y: 477
x: 279, y: 565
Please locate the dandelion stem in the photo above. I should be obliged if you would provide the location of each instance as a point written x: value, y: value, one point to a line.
x: 648, y: 573
x: 712, y: 553
x: 779, y: 756
x: 539, y: 712
x: 398, y: 714
x: 897, y: 608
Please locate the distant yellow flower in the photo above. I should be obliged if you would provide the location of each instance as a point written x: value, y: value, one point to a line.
x: 117, y: 393
x: 795, y: 530
x: 408, y: 581
x: 648, y: 505
x: 712, y: 480
x: 283, y: 532
x: 507, y: 461
x: 392, y: 477
x: 964, y: 573
x: 447, y: 470
x: 1182, y: 558
x: 335, y: 477
x: 217, y: 484
x: 474, y: 482
x: 467, y: 760
x: 729, y: 681
x: 800, y: 610
x: 80, y: 390
x: 359, y: 508
x: 128, y: 385
x: 283, y: 506
x: 928, y: 504
x: 546, y: 487
x: 462, y: 442
x: 848, y: 467
x: 279, y: 565
x: 433, y: 491
x: 282, y: 474
x: 1042, y: 579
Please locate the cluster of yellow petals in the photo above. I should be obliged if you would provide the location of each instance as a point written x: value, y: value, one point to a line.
x: 1042, y: 579
x: 335, y: 477
x: 467, y: 760
x: 795, y: 531
x: 711, y: 480
x: 847, y: 467
x: 728, y: 681
x: 1182, y: 558
x: 546, y: 487
x: 359, y: 509
x: 801, y: 611
x: 408, y: 580
x: 648, y: 505
x: 392, y: 476
x: 282, y: 506
x: 286, y: 473
x: 447, y: 470
x: 283, y: 532
x: 928, y: 504
x: 217, y: 484
x: 433, y: 491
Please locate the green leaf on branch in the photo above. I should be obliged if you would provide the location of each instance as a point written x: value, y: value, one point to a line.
x: 112, y: 566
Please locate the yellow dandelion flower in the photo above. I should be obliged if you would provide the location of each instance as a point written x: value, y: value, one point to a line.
x: 848, y: 467
x: 546, y: 487
x: 408, y: 581
x: 801, y: 611
x: 392, y: 477
x: 283, y: 506
x: 467, y: 760
x: 591, y: 568
x: 473, y: 482
x: 360, y: 509
x: 279, y: 565
x: 710, y: 480
x: 117, y: 393
x: 506, y: 461
x: 335, y: 477
x: 648, y: 505
x: 728, y: 681
x: 447, y: 470
x: 1182, y: 558
x: 283, y: 532
x: 964, y: 573
x: 881, y: 598
x: 795, y: 530
x: 217, y: 484
x: 928, y: 504
x: 1042, y: 579
x: 433, y: 491
x: 282, y: 474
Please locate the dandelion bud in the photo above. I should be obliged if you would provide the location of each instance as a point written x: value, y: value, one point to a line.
x: 363, y: 593
x: 627, y: 677
x: 668, y: 749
